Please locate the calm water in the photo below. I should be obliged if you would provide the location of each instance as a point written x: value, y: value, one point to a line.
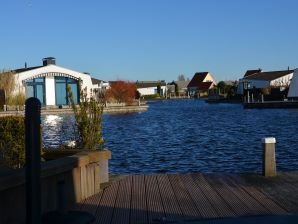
x: 190, y: 136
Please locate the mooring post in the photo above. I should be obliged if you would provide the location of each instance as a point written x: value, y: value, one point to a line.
x: 32, y: 145
x: 269, y: 163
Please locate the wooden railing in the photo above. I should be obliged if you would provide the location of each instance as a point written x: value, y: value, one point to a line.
x: 82, y: 174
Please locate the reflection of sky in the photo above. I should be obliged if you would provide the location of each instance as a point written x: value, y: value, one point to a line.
x: 57, y: 129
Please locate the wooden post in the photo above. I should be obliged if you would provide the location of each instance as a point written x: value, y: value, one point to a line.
x: 269, y: 163
x: 32, y: 145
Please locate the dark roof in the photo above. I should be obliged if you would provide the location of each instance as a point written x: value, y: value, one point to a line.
x: 147, y: 84
x: 203, y: 86
x: 251, y: 72
x: 268, y: 76
x: 197, y: 78
x: 19, y: 70
x: 96, y: 81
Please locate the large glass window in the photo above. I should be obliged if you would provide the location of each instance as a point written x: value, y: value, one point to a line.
x: 61, y: 84
x: 36, y: 88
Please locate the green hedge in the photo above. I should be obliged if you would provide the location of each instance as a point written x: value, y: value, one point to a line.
x: 12, y: 141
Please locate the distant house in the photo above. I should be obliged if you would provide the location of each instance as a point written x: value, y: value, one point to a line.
x: 100, y: 84
x: 261, y: 80
x: 178, y: 88
x: 200, y: 84
x: 293, y: 90
x: 147, y: 88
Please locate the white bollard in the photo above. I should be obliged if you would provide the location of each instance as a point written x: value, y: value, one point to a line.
x: 269, y: 163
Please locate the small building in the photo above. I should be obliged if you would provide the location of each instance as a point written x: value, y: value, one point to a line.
x: 49, y: 82
x: 293, y: 90
x: 200, y: 84
x: 178, y: 88
x: 262, y: 80
x: 147, y: 88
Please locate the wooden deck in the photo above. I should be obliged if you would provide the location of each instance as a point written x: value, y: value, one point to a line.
x: 179, y: 198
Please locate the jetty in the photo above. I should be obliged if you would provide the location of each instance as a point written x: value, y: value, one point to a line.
x: 67, y: 110
x: 196, y: 198
x: 270, y: 104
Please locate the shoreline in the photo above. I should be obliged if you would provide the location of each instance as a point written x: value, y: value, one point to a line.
x: 106, y: 110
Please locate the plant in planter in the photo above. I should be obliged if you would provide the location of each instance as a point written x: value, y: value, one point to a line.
x: 88, y: 120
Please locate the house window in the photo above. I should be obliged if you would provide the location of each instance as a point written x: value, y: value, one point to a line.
x: 36, y: 88
x: 61, y: 84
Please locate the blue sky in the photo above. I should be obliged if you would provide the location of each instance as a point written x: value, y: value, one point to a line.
x: 151, y: 39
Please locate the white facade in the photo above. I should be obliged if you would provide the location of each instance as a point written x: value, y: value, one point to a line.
x: 49, y: 86
x: 293, y: 90
x: 151, y: 90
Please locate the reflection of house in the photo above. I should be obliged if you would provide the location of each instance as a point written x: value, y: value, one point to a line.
x: 293, y: 90
x: 178, y: 88
x: 147, y: 88
x: 201, y: 83
x: 49, y: 82
x: 261, y: 80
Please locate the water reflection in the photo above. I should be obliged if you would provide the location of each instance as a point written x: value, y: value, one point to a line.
x: 57, y: 129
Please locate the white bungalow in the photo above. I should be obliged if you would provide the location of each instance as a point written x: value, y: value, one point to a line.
x: 260, y: 80
x: 146, y: 88
x: 293, y: 90
x: 49, y: 83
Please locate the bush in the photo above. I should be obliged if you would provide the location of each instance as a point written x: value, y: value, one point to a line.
x: 12, y: 141
x: 16, y: 100
x: 88, y: 118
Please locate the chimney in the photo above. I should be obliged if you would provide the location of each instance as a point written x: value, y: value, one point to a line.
x: 288, y: 68
x: 48, y: 61
x: 25, y: 64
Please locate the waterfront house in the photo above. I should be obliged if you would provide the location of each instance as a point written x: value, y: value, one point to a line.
x: 49, y: 82
x: 147, y: 88
x: 293, y: 90
x: 262, y: 80
x: 200, y: 84
x: 179, y: 88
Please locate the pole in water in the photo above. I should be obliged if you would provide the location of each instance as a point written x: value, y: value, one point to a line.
x: 32, y: 145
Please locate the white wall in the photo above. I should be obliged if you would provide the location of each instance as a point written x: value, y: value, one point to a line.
x: 50, y: 91
x: 282, y: 81
x: 151, y: 90
x: 293, y: 90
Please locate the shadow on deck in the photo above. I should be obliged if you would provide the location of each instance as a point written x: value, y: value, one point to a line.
x: 195, y: 198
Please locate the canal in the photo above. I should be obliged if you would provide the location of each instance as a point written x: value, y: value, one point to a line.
x: 183, y: 136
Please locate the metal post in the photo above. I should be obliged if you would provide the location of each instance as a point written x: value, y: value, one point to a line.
x: 269, y: 163
x: 32, y: 144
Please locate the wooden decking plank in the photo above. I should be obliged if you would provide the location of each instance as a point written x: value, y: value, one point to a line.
x: 219, y: 185
x: 202, y: 203
x: 123, y: 202
x: 105, y: 209
x: 254, y: 206
x: 281, y: 190
x: 187, y: 206
x: 263, y: 199
x: 91, y: 204
x: 138, y: 200
x: 171, y: 206
x: 154, y: 202
x: 217, y: 202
